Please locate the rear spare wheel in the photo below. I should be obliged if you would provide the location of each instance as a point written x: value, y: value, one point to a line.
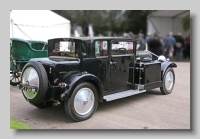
x: 35, y: 82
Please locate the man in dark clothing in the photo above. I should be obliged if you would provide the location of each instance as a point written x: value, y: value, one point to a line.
x: 73, y: 28
x: 86, y: 28
x: 155, y: 46
x: 187, y: 47
x: 180, y: 44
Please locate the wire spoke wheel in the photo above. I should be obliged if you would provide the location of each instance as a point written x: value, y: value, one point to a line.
x: 15, y: 78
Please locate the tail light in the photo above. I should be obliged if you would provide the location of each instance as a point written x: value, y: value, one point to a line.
x: 62, y: 85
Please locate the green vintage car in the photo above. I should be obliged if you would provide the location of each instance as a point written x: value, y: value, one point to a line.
x: 20, y: 52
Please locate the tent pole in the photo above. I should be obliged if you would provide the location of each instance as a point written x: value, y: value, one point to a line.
x: 12, y: 24
x: 153, y: 25
x: 23, y: 31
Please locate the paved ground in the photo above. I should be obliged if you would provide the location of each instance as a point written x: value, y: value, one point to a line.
x: 149, y: 110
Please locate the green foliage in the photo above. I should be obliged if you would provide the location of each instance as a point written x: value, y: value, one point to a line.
x: 136, y: 20
x: 14, y: 124
x: 109, y: 20
x: 186, y: 23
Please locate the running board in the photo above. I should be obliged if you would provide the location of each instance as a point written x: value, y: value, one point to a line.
x: 122, y: 94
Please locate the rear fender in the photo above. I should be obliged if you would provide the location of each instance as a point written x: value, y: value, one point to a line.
x: 74, y: 81
x: 165, y: 65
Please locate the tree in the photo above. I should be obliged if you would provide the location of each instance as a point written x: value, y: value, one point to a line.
x: 109, y: 20
x: 96, y: 17
x: 136, y: 21
x: 186, y: 23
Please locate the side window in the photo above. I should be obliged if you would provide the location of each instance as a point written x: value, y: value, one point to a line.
x: 121, y: 48
x: 101, y: 48
x: 90, y: 49
x: 84, y: 48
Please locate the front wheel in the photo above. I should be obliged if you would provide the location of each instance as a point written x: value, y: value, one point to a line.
x: 83, y: 102
x: 168, y: 81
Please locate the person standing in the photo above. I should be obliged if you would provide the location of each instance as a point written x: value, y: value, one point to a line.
x: 169, y: 52
x: 187, y: 47
x: 169, y: 41
x: 180, y: 44
x: 155, y: 46
x: 161, y: 40
x: 141, y: 41
x: 86, y: 28
x: 147, y: 37
x: 74, y: 30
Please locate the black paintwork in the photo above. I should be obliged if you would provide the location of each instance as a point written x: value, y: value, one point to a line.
x: 107, y: 77
x: 74, y: 80
x: 150, y: 72
x: 165, y: 65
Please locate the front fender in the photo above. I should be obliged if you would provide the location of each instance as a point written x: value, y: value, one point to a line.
x: 165, y: 65
x: 75, y: 80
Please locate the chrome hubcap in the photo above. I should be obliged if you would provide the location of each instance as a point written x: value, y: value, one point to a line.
x: 84, y: 101
x: 30, y: 77
x: 169, y: 80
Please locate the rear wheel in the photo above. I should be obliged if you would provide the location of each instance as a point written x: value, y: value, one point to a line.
x: 34, y: 76
x: 168, y: 81
x: 83, y: 102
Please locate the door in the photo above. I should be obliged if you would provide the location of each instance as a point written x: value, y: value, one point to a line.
x: 121, y: 58
x: 101, y: 53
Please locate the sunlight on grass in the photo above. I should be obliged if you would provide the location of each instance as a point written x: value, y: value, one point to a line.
x: 14, y: 124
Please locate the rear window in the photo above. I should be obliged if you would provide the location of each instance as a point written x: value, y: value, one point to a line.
x: 63, y: 48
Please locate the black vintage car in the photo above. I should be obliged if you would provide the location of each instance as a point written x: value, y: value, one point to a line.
x: 81, y: 72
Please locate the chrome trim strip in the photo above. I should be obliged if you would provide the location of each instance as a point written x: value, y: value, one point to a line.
x: 122, y: 94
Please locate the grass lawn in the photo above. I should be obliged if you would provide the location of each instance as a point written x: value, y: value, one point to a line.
x: 14, y: 124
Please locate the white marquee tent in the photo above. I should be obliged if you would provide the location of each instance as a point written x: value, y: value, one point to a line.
x: 38, y: 25
x: 167, y: 20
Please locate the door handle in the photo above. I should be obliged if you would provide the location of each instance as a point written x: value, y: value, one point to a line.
x: 112, y: 62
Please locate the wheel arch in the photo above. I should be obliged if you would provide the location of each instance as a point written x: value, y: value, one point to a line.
x: 165, y: 65
x: 85, y: 78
